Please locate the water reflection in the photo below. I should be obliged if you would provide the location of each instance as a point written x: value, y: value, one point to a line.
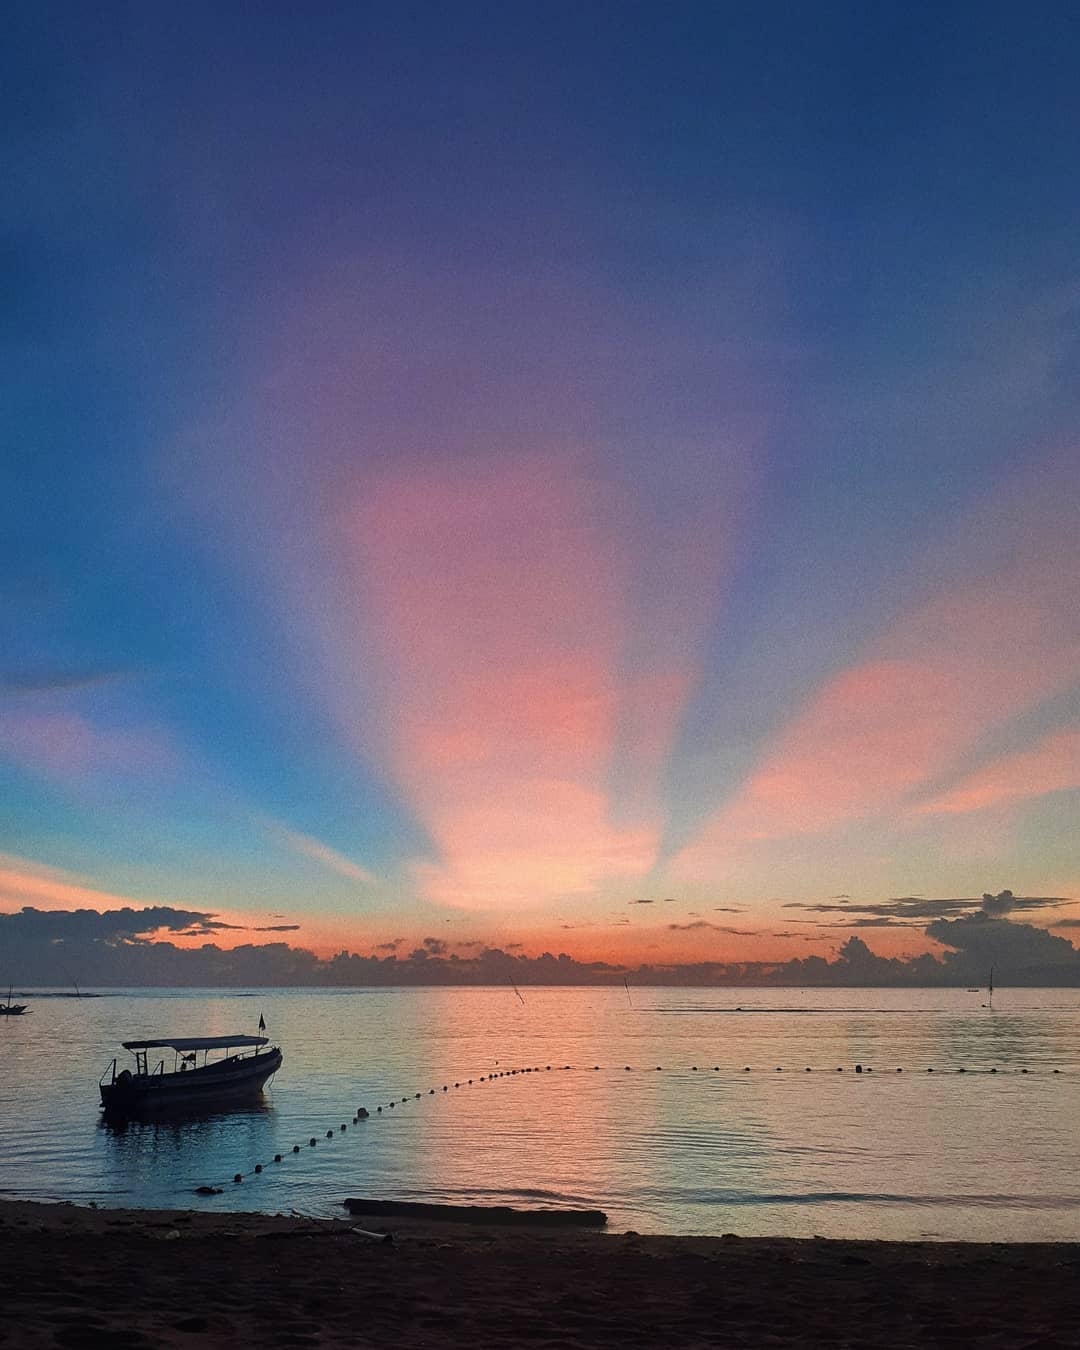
x: 686, y: 1149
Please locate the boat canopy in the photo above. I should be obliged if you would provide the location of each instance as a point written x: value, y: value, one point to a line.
x: 196, y: 1043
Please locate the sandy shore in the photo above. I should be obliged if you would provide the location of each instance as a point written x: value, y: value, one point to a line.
x: 75, y: 1278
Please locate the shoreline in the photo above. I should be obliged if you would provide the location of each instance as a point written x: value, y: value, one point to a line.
x: 80, y: 1277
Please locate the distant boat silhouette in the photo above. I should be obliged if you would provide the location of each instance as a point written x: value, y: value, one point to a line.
x: 10, y: 1009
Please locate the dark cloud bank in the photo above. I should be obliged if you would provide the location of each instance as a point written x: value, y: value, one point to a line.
x: 127, y: 947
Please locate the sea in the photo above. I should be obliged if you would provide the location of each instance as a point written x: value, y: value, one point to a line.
x: 695, y: 1111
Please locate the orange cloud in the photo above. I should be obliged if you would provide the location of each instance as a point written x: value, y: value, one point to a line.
x: 26, y: 882
x: 1051, y: 766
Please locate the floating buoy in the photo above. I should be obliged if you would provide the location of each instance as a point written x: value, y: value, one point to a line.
x: 444, y: 1087
x: 858, y: 1068
x: 470, y: 1084
x: 457, y: 1084
x: 747, y: 1069
x: 549, y: 1068
x: 329, y: 1134
x: 378, y: 1108
x: 869, y: 1069
x: 628, y: 1068
x: 258, y: 1167
x: 296, y: 1148
x: 961, y: 1071
x: 596, y: 1068
x: 779, y: 1069
x: 277, y: 1157
x: 693, y: 1068
x: 344, y: 1128
x: 1055, y: 1071
x: 392, y: 1105
x: 239, y: 1177
x: 899, y: 1071
x: 809, y: 1070
x: 418, y: 1096
x: 312, y: 1142
x: 1023, y: 1070
x: 929, y: 1071
x: 992, y: 1071
x: 840, y: 1069
x: 716, y: 1068
x: 659, y: 1068
x: 362, y: 1114
x: 404, y: 1100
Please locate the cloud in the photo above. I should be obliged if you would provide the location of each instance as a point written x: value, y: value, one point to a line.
x: 497, y: 597
x: 309, y: 847
x: 24, y: 881
x: 60, y: 681
x: 912, y: 907
x: 277, y: 928
x: 111, y: 925
x: 715, y: 927
x: 641, y: 902
x: 729, y: 909
x: 1052, y: 765
x: 1000, y: 638
x: 982, y: 940
x: 72, y: 750
x: 125, y: 948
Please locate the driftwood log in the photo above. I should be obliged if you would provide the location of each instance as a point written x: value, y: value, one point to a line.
x: 492, y: 1214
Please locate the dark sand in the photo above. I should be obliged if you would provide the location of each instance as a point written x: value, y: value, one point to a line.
x: 77, y: 1278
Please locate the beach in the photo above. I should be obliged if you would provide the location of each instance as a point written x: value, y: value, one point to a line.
x: 77, y: 1278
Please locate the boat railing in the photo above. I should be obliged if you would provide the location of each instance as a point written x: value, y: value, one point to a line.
x: 109, y: 1073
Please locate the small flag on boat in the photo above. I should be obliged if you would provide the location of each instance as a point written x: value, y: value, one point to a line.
x: 262, y: 1024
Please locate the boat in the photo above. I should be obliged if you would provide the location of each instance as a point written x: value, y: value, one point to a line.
x: 10, y: 1009
x: 237, y: 1076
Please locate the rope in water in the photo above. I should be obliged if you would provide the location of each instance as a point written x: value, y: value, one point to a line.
x: 362, y: 1113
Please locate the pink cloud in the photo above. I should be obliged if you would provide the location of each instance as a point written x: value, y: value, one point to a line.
x: 997, y: 640
x: 1053, y: 765
x: 68, y: 748
x: 310, y: 847
x: 502, y: 599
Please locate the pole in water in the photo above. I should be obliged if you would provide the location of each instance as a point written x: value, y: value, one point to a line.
x: 626, y: 986
x: 516, y: 990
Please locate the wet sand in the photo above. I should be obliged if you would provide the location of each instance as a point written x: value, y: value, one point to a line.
x: 79, y: 1278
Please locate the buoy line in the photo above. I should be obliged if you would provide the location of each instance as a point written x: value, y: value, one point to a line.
x: 363, y: 1114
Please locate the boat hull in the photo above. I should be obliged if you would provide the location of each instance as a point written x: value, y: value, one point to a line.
x: 226, y: 1083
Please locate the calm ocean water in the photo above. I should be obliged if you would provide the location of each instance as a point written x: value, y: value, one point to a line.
x: 699, y: 1146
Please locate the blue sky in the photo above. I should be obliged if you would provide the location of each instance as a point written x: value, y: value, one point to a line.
x: 508, y: 462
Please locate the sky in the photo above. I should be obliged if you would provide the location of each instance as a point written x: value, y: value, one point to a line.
x: 598, y: 479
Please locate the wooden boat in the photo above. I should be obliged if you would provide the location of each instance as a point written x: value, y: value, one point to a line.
x: 10, y: 1009
x: 226, y: 1081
